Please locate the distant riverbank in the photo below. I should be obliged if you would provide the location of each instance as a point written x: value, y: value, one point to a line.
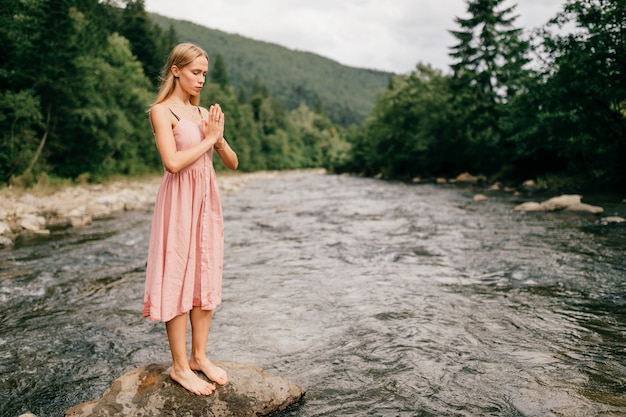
x: 27, y: 213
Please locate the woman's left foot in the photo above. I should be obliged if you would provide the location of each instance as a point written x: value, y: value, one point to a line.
x: 214, y: 373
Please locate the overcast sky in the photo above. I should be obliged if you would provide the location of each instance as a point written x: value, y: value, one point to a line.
x: 390, y: 35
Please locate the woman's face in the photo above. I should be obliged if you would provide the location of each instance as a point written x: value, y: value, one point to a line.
x: 192, y: 76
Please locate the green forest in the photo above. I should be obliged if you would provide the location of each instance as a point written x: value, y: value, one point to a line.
x: 77, y: 79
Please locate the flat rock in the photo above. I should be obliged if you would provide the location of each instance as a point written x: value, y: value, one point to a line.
x: 5, y: 242
x: 32, y: 222
x: 568, y: 202
x: 612, y: 219
x: 150, y: 392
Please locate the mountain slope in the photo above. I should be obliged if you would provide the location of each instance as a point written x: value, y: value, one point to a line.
x: 346, y: 93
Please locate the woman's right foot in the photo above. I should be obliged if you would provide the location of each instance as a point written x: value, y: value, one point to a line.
x: 192, y: 382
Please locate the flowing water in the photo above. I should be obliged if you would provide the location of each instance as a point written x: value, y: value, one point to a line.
x: 381, y: 299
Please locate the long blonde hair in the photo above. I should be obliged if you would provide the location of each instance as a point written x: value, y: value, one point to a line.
x: 183, y: 54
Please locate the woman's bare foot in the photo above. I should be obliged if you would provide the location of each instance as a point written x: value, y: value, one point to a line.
x: 214, y: 373
x: 192, y: 382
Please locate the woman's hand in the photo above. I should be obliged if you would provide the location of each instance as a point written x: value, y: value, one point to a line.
x: 213, y: 126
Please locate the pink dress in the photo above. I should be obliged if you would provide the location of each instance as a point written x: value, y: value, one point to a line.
x: 186, y: 250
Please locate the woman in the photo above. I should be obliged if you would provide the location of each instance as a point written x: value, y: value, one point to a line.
x: 184, y: 270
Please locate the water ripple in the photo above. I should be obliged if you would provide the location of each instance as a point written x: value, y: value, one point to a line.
x: 381, y: 298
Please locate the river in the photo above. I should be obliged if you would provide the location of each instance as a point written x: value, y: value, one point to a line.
x: 380, y: 298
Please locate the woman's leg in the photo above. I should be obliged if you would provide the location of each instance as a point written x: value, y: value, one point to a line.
x: 200, y: 325
x: 180, y: 371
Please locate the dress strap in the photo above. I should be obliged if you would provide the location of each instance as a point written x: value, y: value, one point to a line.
x: 175, y: 115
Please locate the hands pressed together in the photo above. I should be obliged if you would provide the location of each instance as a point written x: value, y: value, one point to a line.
x: 213, y: 126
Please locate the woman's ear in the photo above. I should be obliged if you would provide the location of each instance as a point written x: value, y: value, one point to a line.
x: 175, y: 71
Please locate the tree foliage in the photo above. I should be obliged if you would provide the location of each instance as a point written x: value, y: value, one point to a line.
x: 148, y: 41
x: 564, y: 115
x: 77, y: 78
x: 574, y: 116
x: 409, y: 126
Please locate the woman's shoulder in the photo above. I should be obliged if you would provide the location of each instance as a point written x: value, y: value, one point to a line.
x: 159, y: 107
x: 161, y: 113
x: 203, y: 112
x: 159, y: 110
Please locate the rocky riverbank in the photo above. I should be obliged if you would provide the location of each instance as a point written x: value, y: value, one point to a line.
x: 25, y: 213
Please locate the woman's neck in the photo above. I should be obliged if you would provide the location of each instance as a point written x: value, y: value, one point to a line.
x: 179, y: 100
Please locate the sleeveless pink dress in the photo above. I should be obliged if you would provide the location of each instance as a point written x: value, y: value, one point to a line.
x: 186, y: 249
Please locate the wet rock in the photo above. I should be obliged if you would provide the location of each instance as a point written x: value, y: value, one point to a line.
x: 80, y: 221
x: 5, y: 229
x: 33, y: 223
x: 480, y: 197
x: 58, y: 223
x: 612, y: 220
x: 529, y: 185
x: 529, y: 206
x: 568, y: 202
x: 149, y: 391
x: 466, y: 177
x: 5, y: 242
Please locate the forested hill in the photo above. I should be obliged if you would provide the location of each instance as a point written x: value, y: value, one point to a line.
x: 347, y: 94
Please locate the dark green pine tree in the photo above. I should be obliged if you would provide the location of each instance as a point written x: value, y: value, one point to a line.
x: 54, y: 48
x: 259, y: 94
x: 145, y: 38
x: 219, y: 74
x: 9, y: 53
x: 488, y: 69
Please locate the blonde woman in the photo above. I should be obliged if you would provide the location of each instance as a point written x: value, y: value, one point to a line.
x: 185, y: 255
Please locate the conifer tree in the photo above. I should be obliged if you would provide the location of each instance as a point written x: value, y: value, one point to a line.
x: 219, y: 74
x: 143, y: 36
x: 488, y: 69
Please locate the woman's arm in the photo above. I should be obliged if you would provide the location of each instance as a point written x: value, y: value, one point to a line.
x: 173, y: 159
x: 229, y: 157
